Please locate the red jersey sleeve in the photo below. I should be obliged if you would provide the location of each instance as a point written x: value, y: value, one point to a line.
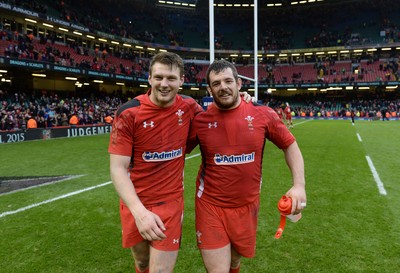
x: 123, y: 129
x: 277, y: 132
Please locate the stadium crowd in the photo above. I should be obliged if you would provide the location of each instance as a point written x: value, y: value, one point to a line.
x: 125, y: 61
x: 56, y: 110
x: 322, y: 22
x: 325, y: 106
x: 75, y: 55
x: 128, y: 63
x: 53, y: 110
x: 280, y: 28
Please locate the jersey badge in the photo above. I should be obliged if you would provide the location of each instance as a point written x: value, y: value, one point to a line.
x: 250, y: 122
x: 180, y: 113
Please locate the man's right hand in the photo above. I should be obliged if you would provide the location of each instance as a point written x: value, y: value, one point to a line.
x: 150, y: 226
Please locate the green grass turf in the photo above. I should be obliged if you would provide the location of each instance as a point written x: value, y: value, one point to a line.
x: 347, y: 225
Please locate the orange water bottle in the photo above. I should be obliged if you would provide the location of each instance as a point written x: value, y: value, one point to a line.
x: 285, y: 209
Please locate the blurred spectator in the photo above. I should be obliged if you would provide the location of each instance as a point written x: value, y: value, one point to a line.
x: 32, y: 124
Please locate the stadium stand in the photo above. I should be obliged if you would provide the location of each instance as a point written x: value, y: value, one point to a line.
x: 299, y: 29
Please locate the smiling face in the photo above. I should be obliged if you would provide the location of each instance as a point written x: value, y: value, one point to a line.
x: 224, y: 88
x: 165, y: 81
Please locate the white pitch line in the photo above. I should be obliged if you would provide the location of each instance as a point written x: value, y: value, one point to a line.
x: 53, y: 199
x: 43, y: 184
x: 302, y: 122
x: 189, y: 157
x: 80, y: 191
x: 359, y: 137
x: 378, y: 181
x: 64, y: 196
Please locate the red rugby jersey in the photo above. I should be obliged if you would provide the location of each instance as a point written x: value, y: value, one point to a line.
x: 155, y: 139
x: 288, y: 111
x: 232, y: 144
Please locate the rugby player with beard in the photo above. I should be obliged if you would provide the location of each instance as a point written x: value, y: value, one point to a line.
x: 231, y: 135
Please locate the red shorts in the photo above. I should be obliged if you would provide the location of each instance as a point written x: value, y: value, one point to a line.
x: 218, y: 226
x: 171, y: 213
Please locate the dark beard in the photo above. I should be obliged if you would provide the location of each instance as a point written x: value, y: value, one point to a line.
x: 225, y: 106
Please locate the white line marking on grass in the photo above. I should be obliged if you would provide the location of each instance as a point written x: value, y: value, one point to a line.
x: 81, y: 191
x: 189, y: 157
x: 302, y: 122
x: 378, y: 181
x: 359, y: 137
x: 53, y: 199
x: 65, y: 196
x: 40, y: 185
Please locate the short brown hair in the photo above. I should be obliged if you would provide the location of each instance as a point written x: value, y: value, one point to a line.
x: 220, y: 65
x: 167, y: 58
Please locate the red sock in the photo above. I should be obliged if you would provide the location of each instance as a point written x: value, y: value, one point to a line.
x: 146, y: 271
x: 234, y: 270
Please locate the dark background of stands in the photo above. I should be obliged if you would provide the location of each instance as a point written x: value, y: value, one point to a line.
x: 330, y: 25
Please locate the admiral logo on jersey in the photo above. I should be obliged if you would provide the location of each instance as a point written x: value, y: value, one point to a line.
x: 234, y: 159
x: 162, y: 156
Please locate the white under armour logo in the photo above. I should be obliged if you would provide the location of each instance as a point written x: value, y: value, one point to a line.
x: 198, y: 234
x: 145, y: 124
x: 215, y: 125
x: 175, y: 241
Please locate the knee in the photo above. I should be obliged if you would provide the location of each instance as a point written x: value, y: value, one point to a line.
x: 235, y: 262
x: 142, y: 264
x: 235, y: 259
x: 141, y: 255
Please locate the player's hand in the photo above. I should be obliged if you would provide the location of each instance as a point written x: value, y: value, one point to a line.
x: 246, y: 97
x: 150, y: 226
x: 299, y: 198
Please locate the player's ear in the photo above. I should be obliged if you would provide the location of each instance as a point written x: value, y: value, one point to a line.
x: 239, y: 83
x: 209, y: 90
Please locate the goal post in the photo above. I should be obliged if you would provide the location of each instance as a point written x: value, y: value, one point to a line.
x: 255, y: 50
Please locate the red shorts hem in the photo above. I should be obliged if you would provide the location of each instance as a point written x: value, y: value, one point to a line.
x: 218, y: 226
x: 171, y: 213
